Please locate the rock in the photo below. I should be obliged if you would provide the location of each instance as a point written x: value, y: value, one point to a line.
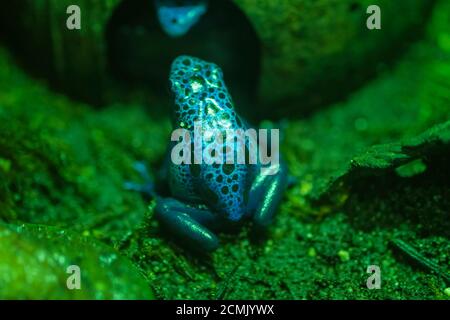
x: 74, y: 61
x: 302, y: 54
x: 316, y: 52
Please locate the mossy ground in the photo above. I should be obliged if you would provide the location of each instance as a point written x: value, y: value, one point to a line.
x: 63, y: 164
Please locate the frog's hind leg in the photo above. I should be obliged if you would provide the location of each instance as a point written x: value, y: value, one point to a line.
x: 266, y: 194
x: 188, y: 224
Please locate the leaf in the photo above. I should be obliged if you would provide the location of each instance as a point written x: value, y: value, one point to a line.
x: 34, y: 261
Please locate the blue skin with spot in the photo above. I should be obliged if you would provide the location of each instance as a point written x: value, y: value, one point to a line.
x: 178, y: 17
x: 207, y: 197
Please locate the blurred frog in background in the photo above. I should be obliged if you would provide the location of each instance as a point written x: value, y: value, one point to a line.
x: 177, y: 17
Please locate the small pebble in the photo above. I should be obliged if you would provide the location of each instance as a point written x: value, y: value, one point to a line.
x: 344, y: 255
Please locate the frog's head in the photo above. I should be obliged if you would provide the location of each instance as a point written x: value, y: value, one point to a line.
x: 201, y: 94
x: 177, y: 17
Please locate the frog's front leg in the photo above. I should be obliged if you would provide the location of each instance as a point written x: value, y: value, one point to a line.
x: 148, y: 187
x: 266, y: 194
x: 187, y: 223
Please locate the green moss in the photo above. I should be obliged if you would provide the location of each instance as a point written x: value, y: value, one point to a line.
x: 314, y: 47
x: 68, y: 163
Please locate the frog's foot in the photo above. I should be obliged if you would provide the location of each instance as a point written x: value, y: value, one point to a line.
x: 148, y: 187
x: 266, y: 194
x: 188, y: 224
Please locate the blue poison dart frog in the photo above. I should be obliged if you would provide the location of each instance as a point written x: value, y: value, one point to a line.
x: 216, y: 196
x: 177, y: 17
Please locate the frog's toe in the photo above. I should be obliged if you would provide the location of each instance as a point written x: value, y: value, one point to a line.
x: 174, y: 215
x: 142, y: 169
x: 148, y: 187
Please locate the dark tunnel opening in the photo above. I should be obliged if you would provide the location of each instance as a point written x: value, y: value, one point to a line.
x: 140, y: 52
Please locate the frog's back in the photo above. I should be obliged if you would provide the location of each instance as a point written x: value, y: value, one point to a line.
x: 202, y: 100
